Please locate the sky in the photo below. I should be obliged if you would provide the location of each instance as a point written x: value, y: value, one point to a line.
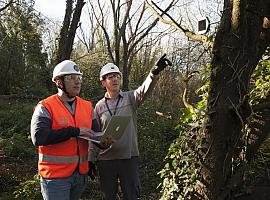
x: 54, y: 10
x: 51, y: 8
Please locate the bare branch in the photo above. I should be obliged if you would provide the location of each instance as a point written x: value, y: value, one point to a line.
x: 150, y: 27
x: 7, y: 5
x: 184, y: 97
x: 104, y: 28
x: 196, y: 37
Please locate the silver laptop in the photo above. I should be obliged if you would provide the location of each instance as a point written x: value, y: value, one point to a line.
x: 115, y: 129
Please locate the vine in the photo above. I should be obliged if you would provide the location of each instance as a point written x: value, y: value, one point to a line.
x: 181, y: 173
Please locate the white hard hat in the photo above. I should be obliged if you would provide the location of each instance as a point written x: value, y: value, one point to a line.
x: 107, y: 69
x: 65, y: 67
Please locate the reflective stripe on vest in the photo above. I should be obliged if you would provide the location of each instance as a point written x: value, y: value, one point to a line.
x: 61, y: 159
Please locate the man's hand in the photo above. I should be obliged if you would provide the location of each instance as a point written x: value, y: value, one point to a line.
x: 107, y: 143
x: 160, y: 65
x: 87, y: 132
x: 92, y: 172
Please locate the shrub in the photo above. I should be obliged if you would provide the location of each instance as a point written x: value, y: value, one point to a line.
x: 29, y: 189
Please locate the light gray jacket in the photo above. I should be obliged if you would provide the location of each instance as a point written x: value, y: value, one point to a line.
x: 127, y: 145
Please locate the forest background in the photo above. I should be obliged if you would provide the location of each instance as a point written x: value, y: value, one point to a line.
x: 203, y: 133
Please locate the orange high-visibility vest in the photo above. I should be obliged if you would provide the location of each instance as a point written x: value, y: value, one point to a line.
x: 61, y: 159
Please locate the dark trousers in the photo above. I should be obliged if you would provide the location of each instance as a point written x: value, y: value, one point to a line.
x: 124, y: 170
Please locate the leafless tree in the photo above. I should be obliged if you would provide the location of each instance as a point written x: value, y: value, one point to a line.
x: 130, y: 25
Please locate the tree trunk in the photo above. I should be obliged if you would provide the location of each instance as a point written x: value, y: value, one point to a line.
x: 238, y: 47
x: 68, y: 30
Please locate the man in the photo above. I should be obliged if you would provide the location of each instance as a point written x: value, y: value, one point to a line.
x: 120, y: 161
x: 56, y: 123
